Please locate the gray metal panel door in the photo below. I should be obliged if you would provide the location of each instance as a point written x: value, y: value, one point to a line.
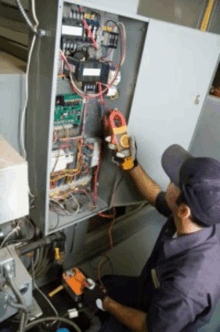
x: 177, y: 66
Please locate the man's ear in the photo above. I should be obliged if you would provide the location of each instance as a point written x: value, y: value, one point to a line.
x: 183, y: 211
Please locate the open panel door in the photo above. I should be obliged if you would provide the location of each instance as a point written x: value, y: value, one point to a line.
x: 177, y: 66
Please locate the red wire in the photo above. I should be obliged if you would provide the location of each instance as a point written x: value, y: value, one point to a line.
x: 110, y: 216
x: 110, y: 233
x: 110, y: 84
x: 101, y: 98
x: 89, y: 32
x: 99, y: 270
x: 96, y: 181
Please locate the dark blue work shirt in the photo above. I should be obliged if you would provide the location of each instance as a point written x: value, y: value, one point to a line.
x: 180, y: 283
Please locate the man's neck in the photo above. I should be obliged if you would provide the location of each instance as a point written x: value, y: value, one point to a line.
x: 186, y: 227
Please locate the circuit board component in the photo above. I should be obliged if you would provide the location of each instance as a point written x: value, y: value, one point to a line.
x: 68, y: 111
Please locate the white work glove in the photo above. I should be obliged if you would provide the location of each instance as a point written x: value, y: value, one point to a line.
x: 120, y: 157
x: 94, y: 295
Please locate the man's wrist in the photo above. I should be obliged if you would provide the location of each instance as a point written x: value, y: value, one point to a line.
x: 133, y: 168
x: 106, y: 303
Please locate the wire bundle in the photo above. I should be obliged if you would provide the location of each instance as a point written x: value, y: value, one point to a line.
x: 81, y: 93
x: 17, y: 230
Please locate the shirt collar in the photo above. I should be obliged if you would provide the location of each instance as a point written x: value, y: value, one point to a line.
x: 173, y: 246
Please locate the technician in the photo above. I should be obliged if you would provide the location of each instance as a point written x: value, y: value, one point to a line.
x: 180, y: 283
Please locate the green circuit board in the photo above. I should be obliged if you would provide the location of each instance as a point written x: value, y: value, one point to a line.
x: 68, y: 110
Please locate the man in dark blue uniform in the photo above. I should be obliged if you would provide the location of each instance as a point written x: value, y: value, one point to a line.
x: 180, y: 283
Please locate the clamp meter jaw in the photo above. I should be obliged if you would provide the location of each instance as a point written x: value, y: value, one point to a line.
x: 119, y: 139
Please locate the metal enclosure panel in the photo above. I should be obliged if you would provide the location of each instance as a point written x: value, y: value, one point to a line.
x: 177, y: 66
x: 40, y: 112
x: 115, y: 6
x: 75, y: 236
x: 125, y: 194
x: 39, y: 119
x: 22, y: 280
x: 206, y: 140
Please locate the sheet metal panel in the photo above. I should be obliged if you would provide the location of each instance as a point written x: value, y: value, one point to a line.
x: 175, y: 74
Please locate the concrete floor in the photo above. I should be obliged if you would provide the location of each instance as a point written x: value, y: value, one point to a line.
x: 130, y: 256
x: 127, y: 258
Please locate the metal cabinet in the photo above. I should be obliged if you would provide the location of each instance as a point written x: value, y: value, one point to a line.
x: 41, y: 105
x: 168, y: 89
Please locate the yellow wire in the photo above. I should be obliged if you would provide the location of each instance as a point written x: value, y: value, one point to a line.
x: 207, y: 15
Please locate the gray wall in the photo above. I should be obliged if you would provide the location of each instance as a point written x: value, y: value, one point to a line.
x: 12, y: 88
x: 185, y: 12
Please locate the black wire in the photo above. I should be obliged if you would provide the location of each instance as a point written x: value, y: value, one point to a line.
x: 116, y: 24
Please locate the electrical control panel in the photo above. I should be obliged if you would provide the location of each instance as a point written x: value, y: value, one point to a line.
x: 89, y: 42
x: 93, y: 60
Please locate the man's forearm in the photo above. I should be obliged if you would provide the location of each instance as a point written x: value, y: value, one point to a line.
x: 132, y: 318
x: 148, y: 188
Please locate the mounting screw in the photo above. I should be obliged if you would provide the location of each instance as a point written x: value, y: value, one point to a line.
x: 196, y: 100
x: 41, y: 33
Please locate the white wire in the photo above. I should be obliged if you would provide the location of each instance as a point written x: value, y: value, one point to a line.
x: 77, y: 203
x: 22, y: 129
x: 40, y: 291
x: 61, y: 205
x: 124, y: 33
x: 23, y: 12
x: 22, y: 124
x: 16, y: 229
x: 34, y: 14
x: 48, y: 301
x: 9, y: 234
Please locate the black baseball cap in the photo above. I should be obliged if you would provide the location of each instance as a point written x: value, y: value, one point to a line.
x: 199, y: 181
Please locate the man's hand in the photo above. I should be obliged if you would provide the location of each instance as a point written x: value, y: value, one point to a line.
x: 94, y: 295
x: 127, y: 158
x: 135, y: 320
